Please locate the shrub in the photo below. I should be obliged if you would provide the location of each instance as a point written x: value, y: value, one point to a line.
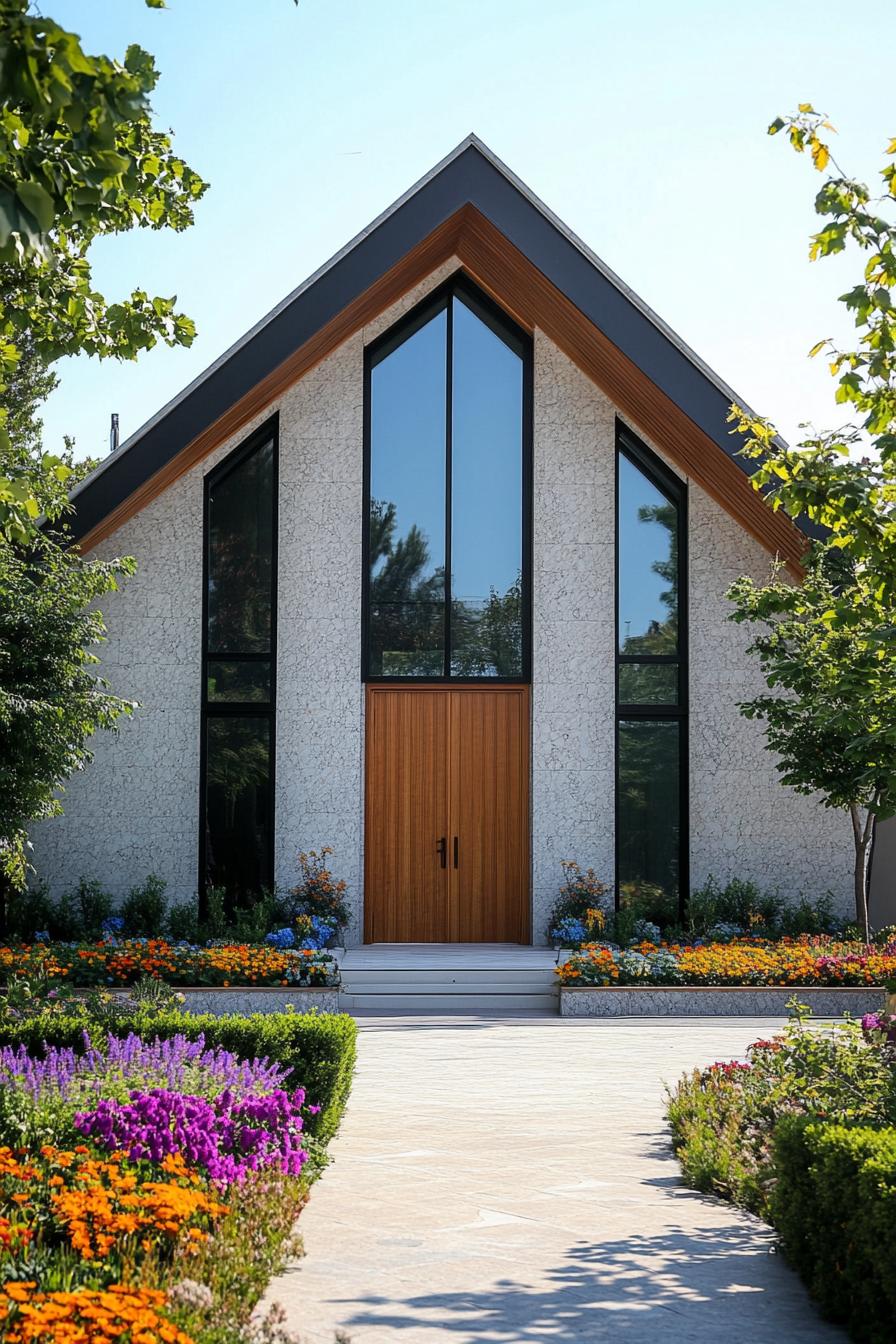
x: 319, y: 1048
x: 316, y: 892
x: 707, y: 1113
x: 724, y: 1118
x: 738, y: 903
x: 183, y: 922
x: 81, y: 912
x: 143, y: 909
x: 740, y: 907
x: 29, y: 911
x: 581, y: 910
x: 834, y: 1205
x: 646, y: 901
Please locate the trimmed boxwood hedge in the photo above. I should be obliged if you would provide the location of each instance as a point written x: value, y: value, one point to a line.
x: 834, y: 1206
x: 318, y: 1047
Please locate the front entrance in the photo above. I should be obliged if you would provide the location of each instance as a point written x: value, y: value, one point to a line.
x: 446, y: 852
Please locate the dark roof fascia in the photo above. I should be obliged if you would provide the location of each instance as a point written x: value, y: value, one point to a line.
x: 469, y: 176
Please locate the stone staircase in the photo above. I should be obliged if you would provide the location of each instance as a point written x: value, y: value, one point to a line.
x: 465, y: 979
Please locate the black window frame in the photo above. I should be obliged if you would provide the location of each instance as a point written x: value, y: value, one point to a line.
x: 269, y: 432
x: 519, y: 340
x: 630, y: 446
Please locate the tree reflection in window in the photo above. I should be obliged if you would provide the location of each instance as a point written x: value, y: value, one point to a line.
x: 236, y: 833
x: 446, y: 580
x: 651, y: 839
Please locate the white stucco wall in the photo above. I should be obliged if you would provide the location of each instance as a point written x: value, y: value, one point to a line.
x: 135, y: 810
x: 744, y: 823
x: 573, y: 627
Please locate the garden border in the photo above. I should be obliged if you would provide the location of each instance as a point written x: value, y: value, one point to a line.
x: 244, y: 1000
x: 716, y: 1000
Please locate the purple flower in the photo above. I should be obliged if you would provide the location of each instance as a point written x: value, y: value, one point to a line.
x: 228, y: 1136
x: 178, y: 1064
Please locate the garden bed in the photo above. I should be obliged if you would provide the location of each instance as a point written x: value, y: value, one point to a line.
x: 115, y: 963
x: 715, y: 1001
x: 802, y: 1132
x: 151, y: 1173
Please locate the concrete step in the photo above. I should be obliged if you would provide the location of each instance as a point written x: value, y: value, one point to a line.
x: 477, y: 1004
x: 521, y: 979
x: 478, y: 979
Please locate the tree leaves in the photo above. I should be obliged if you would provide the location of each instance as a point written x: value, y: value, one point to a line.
x: 826, y: 646
x: 79, y: 158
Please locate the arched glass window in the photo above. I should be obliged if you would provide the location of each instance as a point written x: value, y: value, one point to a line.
x: 447, y: 460
x: 236, y: 843
x: 651, y: 677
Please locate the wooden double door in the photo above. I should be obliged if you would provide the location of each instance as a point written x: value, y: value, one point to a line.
x: 446, y: 852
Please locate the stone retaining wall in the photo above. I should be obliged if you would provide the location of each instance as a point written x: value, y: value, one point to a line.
x: 242, y: 1000
x: 697, y: 1001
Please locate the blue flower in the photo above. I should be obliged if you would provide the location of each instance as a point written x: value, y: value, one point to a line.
x: 111, y: 926
x: 569, y: 930
x: 281, y: 938
x: 42, y: 937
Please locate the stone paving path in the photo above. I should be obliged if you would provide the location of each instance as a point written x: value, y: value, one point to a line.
x: 512, y: 1181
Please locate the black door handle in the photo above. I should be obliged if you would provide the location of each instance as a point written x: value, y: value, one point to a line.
x: 442, y: 847
x: 455, y: 851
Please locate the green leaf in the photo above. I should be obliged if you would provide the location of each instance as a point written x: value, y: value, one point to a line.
x: 39, y: 202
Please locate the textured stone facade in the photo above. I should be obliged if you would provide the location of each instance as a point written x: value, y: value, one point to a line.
x: 683, y: 1002
x: 135, y: 809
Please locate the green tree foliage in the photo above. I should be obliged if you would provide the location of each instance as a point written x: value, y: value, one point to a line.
x: 51, y: 700
x: 825, y: 645
x: 79, y: 158
x: 407, y: 599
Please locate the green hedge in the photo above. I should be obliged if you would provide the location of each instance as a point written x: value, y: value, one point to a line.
x: 834, y: 1205
x: 318, y: 1047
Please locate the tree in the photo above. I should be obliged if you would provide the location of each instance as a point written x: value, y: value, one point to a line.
x: 825, y: 645
x: 79, y: 158
x: 51, y: 701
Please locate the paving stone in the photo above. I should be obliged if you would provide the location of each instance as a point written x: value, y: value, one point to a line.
x: 513, y: 1181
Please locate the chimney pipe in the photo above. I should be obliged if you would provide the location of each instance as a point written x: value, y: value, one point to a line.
x: 113, y: 433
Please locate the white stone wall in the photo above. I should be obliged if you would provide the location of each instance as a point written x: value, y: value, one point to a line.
x: 744, y: 823
x: 573, y: 627
x: 135, y: 809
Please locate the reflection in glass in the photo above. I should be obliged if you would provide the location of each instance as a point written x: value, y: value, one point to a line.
x: 407, y: 504
x: 648, y: 804
x: 238, y: 682
x: 648, y: 683
x: 648, y: 565
x: 486, y: 500
x: 237, y: 804
x: 414, y: 614
x: 407, y: 639
x: 240, y: 554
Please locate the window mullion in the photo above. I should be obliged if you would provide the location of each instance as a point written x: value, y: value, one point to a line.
x: 449, y: 410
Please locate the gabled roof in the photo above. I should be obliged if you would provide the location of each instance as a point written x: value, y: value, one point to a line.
x: 473, y: 207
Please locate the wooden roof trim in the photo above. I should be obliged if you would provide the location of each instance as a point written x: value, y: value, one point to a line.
x: 414, y: 266
x: 528, y: 296
x: 532, y: 300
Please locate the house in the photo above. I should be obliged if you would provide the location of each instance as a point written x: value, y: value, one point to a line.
x: 432, y: 569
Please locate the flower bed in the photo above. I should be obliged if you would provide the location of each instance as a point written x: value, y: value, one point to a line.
x: 803, y: 1133
x: 807, y: 962
x: 121, y: 963
x: 148, y: 1181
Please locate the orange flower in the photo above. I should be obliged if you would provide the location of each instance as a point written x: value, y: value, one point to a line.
x: 117, y: 1315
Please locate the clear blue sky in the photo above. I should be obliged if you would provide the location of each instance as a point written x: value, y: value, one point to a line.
x: 642, y: 124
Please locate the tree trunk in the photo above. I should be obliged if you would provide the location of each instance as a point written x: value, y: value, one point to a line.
x: 863, y: 835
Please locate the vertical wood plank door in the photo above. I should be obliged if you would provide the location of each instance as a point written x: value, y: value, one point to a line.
x: 406, y: 886
x: 489, y: 806
x: 448, y: 762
